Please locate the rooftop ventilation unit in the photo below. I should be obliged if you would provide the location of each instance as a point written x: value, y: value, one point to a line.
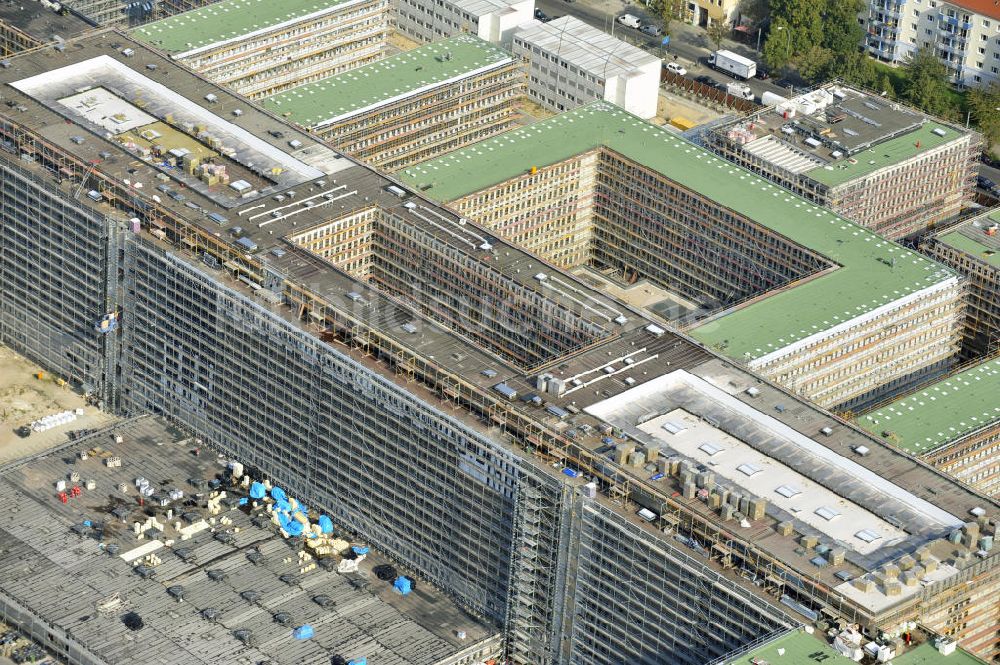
x: 938, y: 131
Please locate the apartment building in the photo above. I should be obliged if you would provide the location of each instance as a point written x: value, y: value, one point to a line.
x: 706, y: 12
x: 796, y: 292
x: 261, y: 47
x: 492, y: 20
x: 571, y: 63
x: 310, y: 318
x: 412, y: 106
x: 951, y: 424
x: 887, y: 167
x: 971, y: 249
x: 965, y: 35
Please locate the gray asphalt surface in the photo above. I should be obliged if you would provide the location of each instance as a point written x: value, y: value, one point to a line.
x: 689, y: 45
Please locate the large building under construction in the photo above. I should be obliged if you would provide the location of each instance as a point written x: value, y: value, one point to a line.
x: 885, y: 166
x: 596, y: 487
x: 412, y: 106
x: 819, y: 304
x: 126, y: 13
x: 212, y: 585
x: 260, y: 47
x: 971, y: 248
x: 953, y: 424
x: 27, y: 27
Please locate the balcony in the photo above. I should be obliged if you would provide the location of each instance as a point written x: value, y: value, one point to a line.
x: 953, y: 20
x: 893, y: 8
x: 953, y: 46
x: 886, y: 51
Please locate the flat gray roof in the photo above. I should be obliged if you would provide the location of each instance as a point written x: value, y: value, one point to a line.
x: 71, y: 580
x: 593, y: 51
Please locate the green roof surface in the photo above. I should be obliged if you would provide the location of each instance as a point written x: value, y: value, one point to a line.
x: 884, y: 154
x: 801, y: 648
x: 224, y: 20
x: 943, y: 411
x: 395, y: 76
x: 873, y: 271
x: 980, y: 250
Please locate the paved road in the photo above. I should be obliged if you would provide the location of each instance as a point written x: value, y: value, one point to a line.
x: 689, y: 45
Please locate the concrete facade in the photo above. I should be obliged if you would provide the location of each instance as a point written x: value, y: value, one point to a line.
x: 571, y: 63
x: 492, y: 20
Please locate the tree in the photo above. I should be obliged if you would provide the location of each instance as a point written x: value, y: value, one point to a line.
x: 816, y: 64
x: 754, y: 11
x: 717, y: 31
x: 927, y: 84
x: 841, y: 31
x: 884, y: 86
x: 778, y: 49
x: 983, y: 105
x: 804, y: 17
x: 670, y: 10
x: 855, y: 68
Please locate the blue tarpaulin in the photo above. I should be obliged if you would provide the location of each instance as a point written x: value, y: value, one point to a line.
x: 402, y: 585
x: 358, y: 661
x: 294, y: 528
x: 257, y: 491
x: 325, y: 524
x: 360, y: 550
x: 282, y: 506
x: 278, y: 494
x: 303, y: 632
x: 244, y: 501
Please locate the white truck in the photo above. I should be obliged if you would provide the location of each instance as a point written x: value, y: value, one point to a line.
x: 741, y: 90
x: 629, y: 21
x: 733, y: 64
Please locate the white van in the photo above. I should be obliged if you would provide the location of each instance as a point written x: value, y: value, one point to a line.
x: 629, y: 21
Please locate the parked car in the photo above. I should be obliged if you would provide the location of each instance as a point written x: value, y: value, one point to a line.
x: 540, y: 15
x: 675, y: 68
x: 984, y: 183
x: 706, y: 80
x: 651, y: 30
x: 629, y: 21
x: 762, y: 74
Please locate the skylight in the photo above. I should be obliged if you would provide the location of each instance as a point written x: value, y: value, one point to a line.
x: 749, y: 469
x: 827, y: 513
x: 868, y: 535
x: 788, y: 491
x: 674, y: 426
x: 710, y: 449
